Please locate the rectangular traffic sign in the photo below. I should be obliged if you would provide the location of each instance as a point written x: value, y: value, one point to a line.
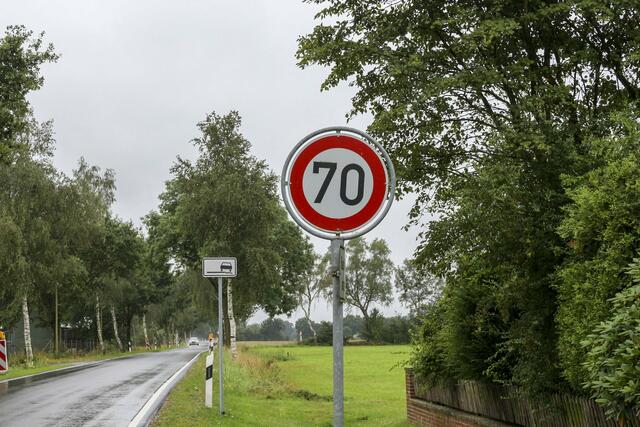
x: 219, y: 267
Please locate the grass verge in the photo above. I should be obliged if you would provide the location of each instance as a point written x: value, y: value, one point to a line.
x: 292, y: 386
x: 45, y: 362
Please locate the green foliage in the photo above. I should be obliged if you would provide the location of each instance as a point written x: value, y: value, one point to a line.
x: 21, y: 55
x: 226, y: 203
x: 429, y: 352
x: 613, y: 359
x: 325, y: 333
x: 368, y: 273
x: 603, y: 233
x: 417, y: 287
x: 487, y: 109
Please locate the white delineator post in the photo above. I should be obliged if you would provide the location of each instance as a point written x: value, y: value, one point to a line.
x: 4, y: 359
x: 208, y: 381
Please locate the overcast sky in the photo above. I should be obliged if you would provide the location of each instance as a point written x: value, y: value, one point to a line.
x: 135, y: 77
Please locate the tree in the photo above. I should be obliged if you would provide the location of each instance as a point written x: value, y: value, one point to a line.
x: 125, y: 282
x: 27, y: 194
x: 274, y: 329
x: 76, y: 215
x: 483, y: 107
x: 314, y: 284
x: 368, y: 278
x: 226, y: 203
x: 21, y: 55
x: 305, y: 331
x: 417, y: 287
x: 97, y: 188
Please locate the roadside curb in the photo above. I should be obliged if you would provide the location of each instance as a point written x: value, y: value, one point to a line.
x: 154, y: 403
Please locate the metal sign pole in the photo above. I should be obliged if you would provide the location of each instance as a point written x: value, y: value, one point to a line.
x: 338, y: 355
x: 220, y: 344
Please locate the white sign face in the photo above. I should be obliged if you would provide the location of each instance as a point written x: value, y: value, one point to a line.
x: 219, y: 267
x: 348, y: 190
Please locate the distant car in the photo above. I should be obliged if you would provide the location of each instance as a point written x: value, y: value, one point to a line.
x: 194, y: 341
x: 226, y: 266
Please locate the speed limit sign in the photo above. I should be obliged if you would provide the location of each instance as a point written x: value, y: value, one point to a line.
x: 338, y: 182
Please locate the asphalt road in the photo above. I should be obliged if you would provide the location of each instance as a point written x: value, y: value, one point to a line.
x: 109, y: 394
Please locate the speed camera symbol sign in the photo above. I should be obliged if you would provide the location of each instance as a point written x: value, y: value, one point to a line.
x: 338, y: 182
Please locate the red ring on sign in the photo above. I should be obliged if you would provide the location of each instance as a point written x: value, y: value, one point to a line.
x: 361, y: 217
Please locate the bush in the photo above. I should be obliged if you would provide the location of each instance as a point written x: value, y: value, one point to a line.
x: 613, y: 358
x: 428, y: 358
x: 603, y: 233
x: 325, y: 333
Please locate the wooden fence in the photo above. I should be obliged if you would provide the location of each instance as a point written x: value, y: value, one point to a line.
x: 510, y: 405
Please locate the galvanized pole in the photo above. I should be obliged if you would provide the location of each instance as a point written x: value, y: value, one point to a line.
x: 338, y: 356
x: 220, y: 344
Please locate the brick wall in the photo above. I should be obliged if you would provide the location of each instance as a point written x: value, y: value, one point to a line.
x: 430, y: 414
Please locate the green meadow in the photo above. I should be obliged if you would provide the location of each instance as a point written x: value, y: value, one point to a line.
x: 292, y: 386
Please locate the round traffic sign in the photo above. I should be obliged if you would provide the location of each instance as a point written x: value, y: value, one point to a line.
x: 338, y: 182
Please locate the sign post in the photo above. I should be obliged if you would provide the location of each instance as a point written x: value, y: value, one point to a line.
x: 338, y: 183
x: 220, y: 267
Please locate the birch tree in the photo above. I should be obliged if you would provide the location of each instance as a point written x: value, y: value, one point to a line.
x: 368, y: 273
x: 315, y: 282
x: 225, y: 203
x: 21, y: 55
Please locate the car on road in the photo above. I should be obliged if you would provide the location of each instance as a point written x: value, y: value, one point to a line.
x: 194, y: 341
x: 226, y: 266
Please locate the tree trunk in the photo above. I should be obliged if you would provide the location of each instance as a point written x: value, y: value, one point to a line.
x: 144, y: 328
x: 226, y: 324
x: 313, y: 331
x: 232, y: 322
x: 128, y: 321
x: 115, y: 328
x: 27, y: 332
x: 177, y: 339
x: 99, y: 323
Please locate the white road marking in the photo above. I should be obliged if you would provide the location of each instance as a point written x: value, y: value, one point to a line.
x: 144, y: 412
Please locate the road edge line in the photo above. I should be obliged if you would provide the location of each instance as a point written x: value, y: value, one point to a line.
x: 151, y: 406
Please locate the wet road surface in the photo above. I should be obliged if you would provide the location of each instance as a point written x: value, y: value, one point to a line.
x: 109, y: 394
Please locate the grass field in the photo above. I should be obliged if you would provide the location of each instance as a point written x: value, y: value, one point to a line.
x: 292, y: 386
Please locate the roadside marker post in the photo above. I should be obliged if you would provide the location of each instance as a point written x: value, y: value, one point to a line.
x: 338, y: 183
x: 208, y: 381
x: 4, y: 358
x: 220, y: 267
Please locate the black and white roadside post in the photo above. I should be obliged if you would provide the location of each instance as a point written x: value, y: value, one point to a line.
x: 208, y: 381
x: 337, y: 184
x: 220, y: 267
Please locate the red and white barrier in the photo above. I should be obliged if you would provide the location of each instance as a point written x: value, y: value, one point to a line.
x: 4, y: 359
